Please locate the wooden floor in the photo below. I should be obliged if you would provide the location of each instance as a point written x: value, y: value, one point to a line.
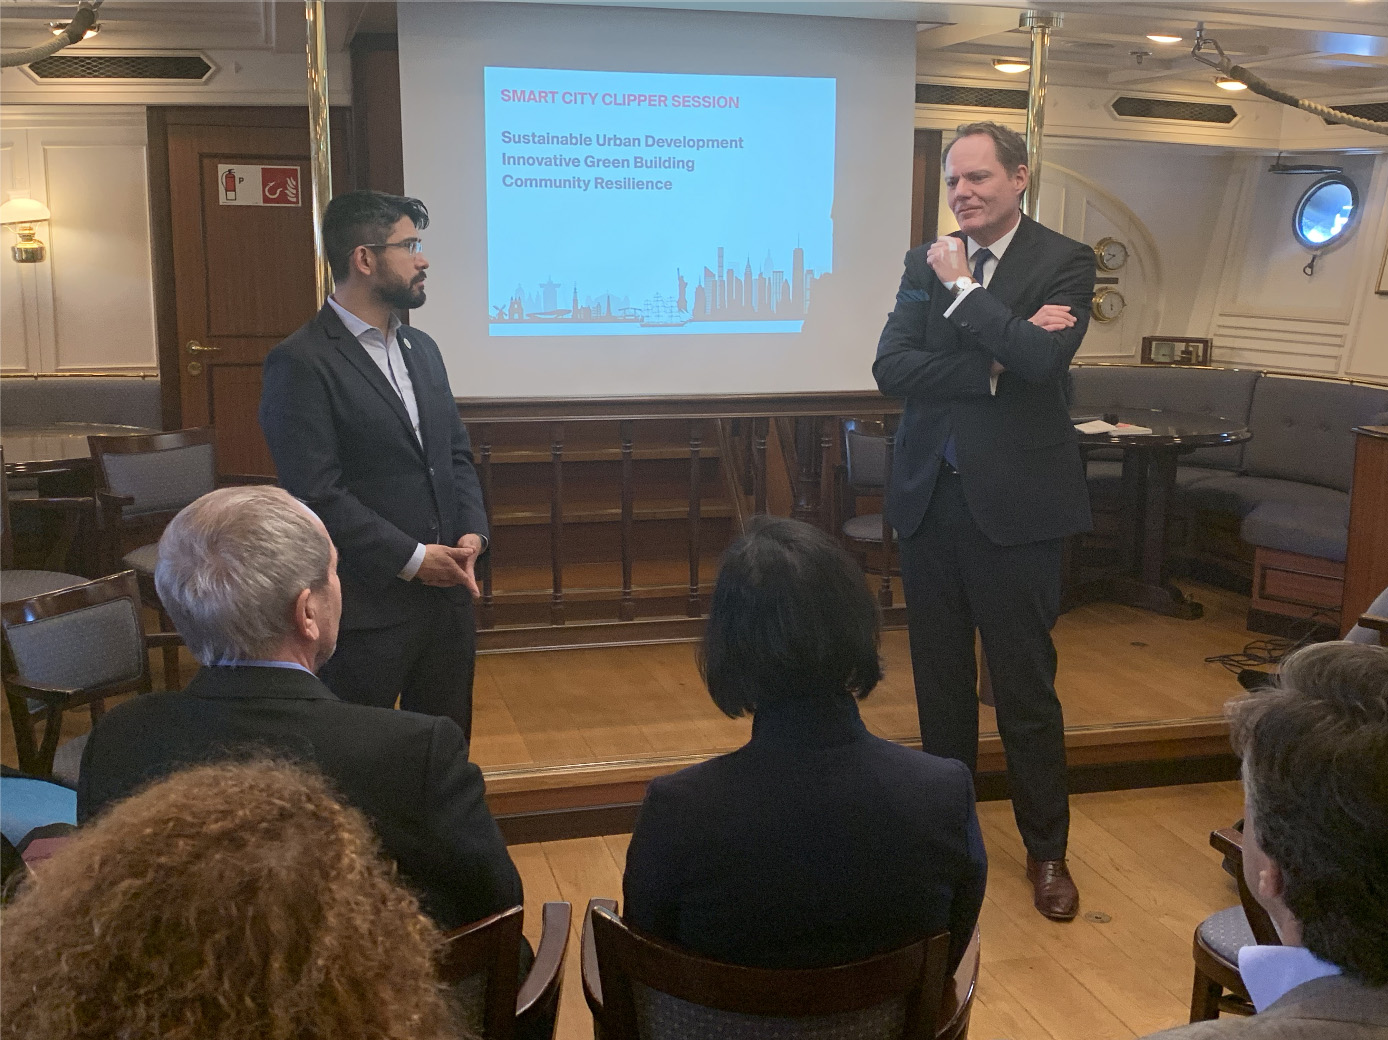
x: 1147, y: 877
x: 542, y: 713
x: 1118, y: 665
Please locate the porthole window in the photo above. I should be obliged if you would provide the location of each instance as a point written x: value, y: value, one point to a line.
x: 1326, y: 212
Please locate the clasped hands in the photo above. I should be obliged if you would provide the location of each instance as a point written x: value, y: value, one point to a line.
x: 947, y: 258
x: 445, y: 566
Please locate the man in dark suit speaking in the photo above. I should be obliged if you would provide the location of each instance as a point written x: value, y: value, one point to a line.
x: 250, y: 579
x: 987, y: 479
x: 363, y: 427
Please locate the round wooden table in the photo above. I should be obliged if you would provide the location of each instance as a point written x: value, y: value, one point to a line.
x: 1148, y: 485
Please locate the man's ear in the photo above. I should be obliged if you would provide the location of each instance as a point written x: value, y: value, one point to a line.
x: 361, y: 261
x: 304, y: 615
x: 1271, y: 883
x: 1024, y: 174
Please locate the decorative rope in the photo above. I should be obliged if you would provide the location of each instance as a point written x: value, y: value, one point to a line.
x: 76, y: 29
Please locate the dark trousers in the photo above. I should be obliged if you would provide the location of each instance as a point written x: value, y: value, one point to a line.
x: 956, y: 581
x: 427, y: 662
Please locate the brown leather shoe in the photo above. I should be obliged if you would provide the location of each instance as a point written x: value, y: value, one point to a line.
x: 1053, y: 891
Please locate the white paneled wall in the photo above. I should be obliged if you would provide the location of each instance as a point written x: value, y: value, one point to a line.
x: 88, y: 307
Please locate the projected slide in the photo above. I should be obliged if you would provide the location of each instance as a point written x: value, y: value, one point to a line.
x: 622, y: 203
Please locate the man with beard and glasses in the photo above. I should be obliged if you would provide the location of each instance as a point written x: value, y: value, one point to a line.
x: 363, y: 427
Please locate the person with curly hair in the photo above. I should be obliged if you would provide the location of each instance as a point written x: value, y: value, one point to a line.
x: 227, y: 902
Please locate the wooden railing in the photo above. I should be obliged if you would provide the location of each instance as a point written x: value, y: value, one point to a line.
x: 740, y: 427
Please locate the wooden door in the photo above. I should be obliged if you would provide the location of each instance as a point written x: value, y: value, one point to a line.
x: 238, y: 278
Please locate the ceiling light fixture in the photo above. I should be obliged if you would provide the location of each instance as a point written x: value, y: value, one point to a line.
x: 1011, y: 65
x: 58, y: 28
x: 1226, y: 83
x: 1163, y: 38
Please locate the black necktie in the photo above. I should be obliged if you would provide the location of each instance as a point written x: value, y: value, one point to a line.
x: 980, y: 258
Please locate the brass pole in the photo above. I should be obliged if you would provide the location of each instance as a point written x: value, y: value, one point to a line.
x: 319, y: 140
x: 1040, y: 23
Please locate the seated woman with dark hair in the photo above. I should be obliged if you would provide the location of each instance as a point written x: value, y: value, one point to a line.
x: 817, y: 843
x: 228, y: 902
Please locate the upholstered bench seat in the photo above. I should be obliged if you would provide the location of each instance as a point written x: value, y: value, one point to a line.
x: 1106, y: 479
x: 1241, y: 494
x: 1319, y: 530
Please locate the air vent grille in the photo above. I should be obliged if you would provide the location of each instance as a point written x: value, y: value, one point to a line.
x: 189, y: 68
x: 970, y: 97
x: 1375, y: 110
x: 1178, y: 111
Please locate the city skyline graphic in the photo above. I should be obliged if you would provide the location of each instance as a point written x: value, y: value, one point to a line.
x: 768, y: 293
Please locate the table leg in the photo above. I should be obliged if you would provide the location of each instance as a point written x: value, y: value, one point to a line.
x: 1145, y: 583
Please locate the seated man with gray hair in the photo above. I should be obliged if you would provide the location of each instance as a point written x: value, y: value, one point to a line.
x: 249, y: 577
x: 1315, y: 849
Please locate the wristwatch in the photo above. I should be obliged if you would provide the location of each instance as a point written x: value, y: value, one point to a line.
x: 960, y: 284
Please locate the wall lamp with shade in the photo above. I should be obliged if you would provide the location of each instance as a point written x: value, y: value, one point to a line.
x: 22, y: 214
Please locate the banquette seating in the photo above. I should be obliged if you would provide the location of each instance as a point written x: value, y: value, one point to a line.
x: 117, y: 400
x: 1287, y: 489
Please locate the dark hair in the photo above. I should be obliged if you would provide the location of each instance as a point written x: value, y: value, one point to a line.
x: 791, y: 615
x: 1010, y: 146
x: 363, y: 217
x: 1315, y: 760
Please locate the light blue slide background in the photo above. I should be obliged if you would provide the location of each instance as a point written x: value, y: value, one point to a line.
x: 775, y: 192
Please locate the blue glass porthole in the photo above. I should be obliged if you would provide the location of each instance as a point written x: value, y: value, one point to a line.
x: 1326, y: 212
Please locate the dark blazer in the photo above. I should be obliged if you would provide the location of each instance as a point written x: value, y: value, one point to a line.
x: 1331, y: 1008
x: 342, y: 442
x: 408, y: 773
x: 814, y: 844
x: 1018, y: 453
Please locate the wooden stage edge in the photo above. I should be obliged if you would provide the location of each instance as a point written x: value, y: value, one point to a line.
x: 596, y: 798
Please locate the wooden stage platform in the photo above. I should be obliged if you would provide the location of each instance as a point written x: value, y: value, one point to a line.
x: 568, y: 738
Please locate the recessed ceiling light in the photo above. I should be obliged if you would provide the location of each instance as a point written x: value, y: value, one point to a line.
x: 58, y: 28
x: 1011, y: 65
x: 1225, y: 83
x: 1163, y: 38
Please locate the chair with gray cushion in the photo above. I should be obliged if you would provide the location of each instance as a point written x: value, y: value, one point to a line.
x: 24, y: 584
x: 1373, y: 623
x: 1218, y: 987
x: 864, y: 474
x: 639, y: 987
x: 479, y: 964
x: 143, y: 480
x: 71, y: 648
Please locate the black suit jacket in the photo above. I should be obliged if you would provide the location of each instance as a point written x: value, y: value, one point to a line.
x: 408, y: 773
x: 815, y: 844
x: 1018, y: 453
x: 342, y: 442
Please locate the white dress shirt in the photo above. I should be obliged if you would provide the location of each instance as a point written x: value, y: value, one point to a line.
x: 1271, y: 972
x: 384, y: 349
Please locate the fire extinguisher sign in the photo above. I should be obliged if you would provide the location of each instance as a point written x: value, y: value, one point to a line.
x: 259, y: 185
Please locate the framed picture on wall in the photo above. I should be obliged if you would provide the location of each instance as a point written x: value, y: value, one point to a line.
x: 1382, y: 288
x: 1175, y: 350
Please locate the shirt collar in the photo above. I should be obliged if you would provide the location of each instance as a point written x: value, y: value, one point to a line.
x: 263, y: 664
x: 997, y: 248
x: 1270, y: 972
x: 357, y: 327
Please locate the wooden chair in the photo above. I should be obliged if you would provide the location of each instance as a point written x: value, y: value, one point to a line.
x: 1218, y: 987
x: 479, y: 962
x: 640, y: 987
x: 18, y: 585
x: 143, y: 480
x: 864, y: 474
x: 70, y: 648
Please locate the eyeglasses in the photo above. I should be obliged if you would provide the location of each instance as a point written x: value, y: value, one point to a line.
x: 413, y: 246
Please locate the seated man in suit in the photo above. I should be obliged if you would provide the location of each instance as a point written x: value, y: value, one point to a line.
x: 817, y: 843
x: 1315, y: 849
x: 249, y: 577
